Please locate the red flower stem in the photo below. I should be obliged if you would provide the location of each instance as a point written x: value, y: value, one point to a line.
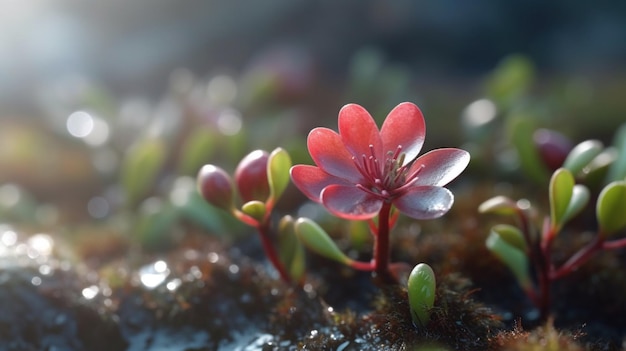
x: 270, y: 252
x: 545, y: 266
x: 381, y: 246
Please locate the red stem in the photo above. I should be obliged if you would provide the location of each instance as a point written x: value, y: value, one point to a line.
x: 381, y: 246
x: 270, y: 252
x: 613, y: 244
x: 362, y: 266
x: 579, y: 258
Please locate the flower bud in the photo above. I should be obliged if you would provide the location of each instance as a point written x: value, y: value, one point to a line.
x: 553, y: 147
x: 251, y: 177
x: 215, y: 186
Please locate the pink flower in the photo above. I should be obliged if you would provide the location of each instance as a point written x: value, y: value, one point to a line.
x: 360, y: 168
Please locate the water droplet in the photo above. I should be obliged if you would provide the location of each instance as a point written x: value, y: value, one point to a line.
x: 80, y: 124
x: 196, y: 272
x: 213, y: 257
x: 479, y: 113
x: 99, y: 134
x: 36, y: 281
x: 229, y: 122
x: 313, y: 333
x: 233, y: 268
x: 90, y: 292
x: 8, y: 237
x: 45, y: 269
x: 39, y: 245
x: 173, y: 284
x: 153, y: 275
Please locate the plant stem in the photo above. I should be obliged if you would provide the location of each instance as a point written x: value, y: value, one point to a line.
x: 381, y: 246
x: 270, y: 252
x: 579, y: 258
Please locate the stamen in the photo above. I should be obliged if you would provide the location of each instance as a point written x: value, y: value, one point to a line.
x: 369, y: 191
x: 397, y: 153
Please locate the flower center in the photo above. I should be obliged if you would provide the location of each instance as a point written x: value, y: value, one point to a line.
x: 388, y: 178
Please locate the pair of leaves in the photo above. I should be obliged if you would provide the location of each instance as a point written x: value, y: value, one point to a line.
x: 507, y: 243
x: 567, y: 198
x: 278, y: 165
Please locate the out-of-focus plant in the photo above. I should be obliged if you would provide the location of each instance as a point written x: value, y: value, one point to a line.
x: 260, y: 180
x: 364, y: 173
x: 525, y: 251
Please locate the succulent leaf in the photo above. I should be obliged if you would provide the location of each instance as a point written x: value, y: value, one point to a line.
x: 561, y: 188
x: 578, y: 201
x: 511, y: 256
x: 501, y: 205
x: 215, y: 186
x: 421, y: 289
x: 316, y: 239
x: 581, y: 155
x: 611, y: 208
x: 617, y: 170
x: 251, y: 176
x: 512, y: 235
x: 254, y: 209
x: 278, y: 166
x: 290, y: 249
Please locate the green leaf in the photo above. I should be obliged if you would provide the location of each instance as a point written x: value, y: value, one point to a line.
x: 316, y: 239
x: 154, y: 223
x: 510, y: 80
x: 501, y: 205
x: 511, y: 256
x: 197, y: 150
x: 254, y: 209
x: 140, y: 168
x: 512, y: 235
x: 290, y: 249
x: 561, y: 188
x: 580, y: 198
x: 278, y: 166
x: 421, y: 290
x: 581, y: 155
x: 611, y: 208
x: 520, y: 131
x: 618, y: 168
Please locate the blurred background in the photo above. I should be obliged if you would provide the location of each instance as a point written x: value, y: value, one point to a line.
x: 111, y: 107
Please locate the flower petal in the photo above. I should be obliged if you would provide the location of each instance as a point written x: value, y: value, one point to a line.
x: 350, y: 202
x: 358, y: 131
x: 404, y: 126
x: 330, y: 154
x: 440, y: 166
x: 312, y: 180
x: 425, y: 202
